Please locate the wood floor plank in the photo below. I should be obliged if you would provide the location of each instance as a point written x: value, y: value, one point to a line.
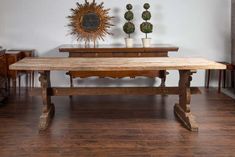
x: 118, y: 126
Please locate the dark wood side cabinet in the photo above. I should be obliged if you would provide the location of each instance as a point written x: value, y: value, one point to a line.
x: 3, y: 76
x: 233, y: 35
x: 15, y: 55
x: 233, y: 31
x: 157, y: 50
x: 12, y: 57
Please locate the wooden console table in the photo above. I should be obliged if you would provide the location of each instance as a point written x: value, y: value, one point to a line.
x: 157, y: 50
x: 185, y: 66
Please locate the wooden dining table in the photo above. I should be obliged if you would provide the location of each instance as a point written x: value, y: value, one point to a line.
x: 185, y: 66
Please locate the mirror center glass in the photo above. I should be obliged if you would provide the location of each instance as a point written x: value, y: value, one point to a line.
x: 90, y: 22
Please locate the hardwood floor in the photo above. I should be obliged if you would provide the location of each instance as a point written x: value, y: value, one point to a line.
x: 118, y: 126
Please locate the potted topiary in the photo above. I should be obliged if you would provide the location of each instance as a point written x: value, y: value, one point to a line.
x: 146, y: 27
x: 129, y: 27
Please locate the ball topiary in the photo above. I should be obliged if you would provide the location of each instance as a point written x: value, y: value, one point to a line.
x: 129, y: 15
x: 129, y: 7
x: 146, y: 15
x: 146, y: 27
x: 129, y: 27
x: 146, y: 6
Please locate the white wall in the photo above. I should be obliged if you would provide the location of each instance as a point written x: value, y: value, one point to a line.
x: 198, y: 27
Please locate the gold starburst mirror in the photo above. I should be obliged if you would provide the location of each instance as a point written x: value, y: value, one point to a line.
x: 89, y: 21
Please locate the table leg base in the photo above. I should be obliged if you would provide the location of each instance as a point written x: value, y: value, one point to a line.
x: 186, y: 118
x: 46, y: 118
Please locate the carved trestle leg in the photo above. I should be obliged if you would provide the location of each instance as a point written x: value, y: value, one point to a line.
x: 182, y: 109
x: 48, y: 107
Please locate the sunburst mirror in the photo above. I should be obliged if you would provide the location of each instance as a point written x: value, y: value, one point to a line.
x: 90, y: 21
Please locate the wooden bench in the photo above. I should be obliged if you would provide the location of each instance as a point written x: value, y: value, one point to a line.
x: 185, y: 66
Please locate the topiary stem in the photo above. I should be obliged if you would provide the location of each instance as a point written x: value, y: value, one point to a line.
x: 146, y: 35
x: 129, y: 35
